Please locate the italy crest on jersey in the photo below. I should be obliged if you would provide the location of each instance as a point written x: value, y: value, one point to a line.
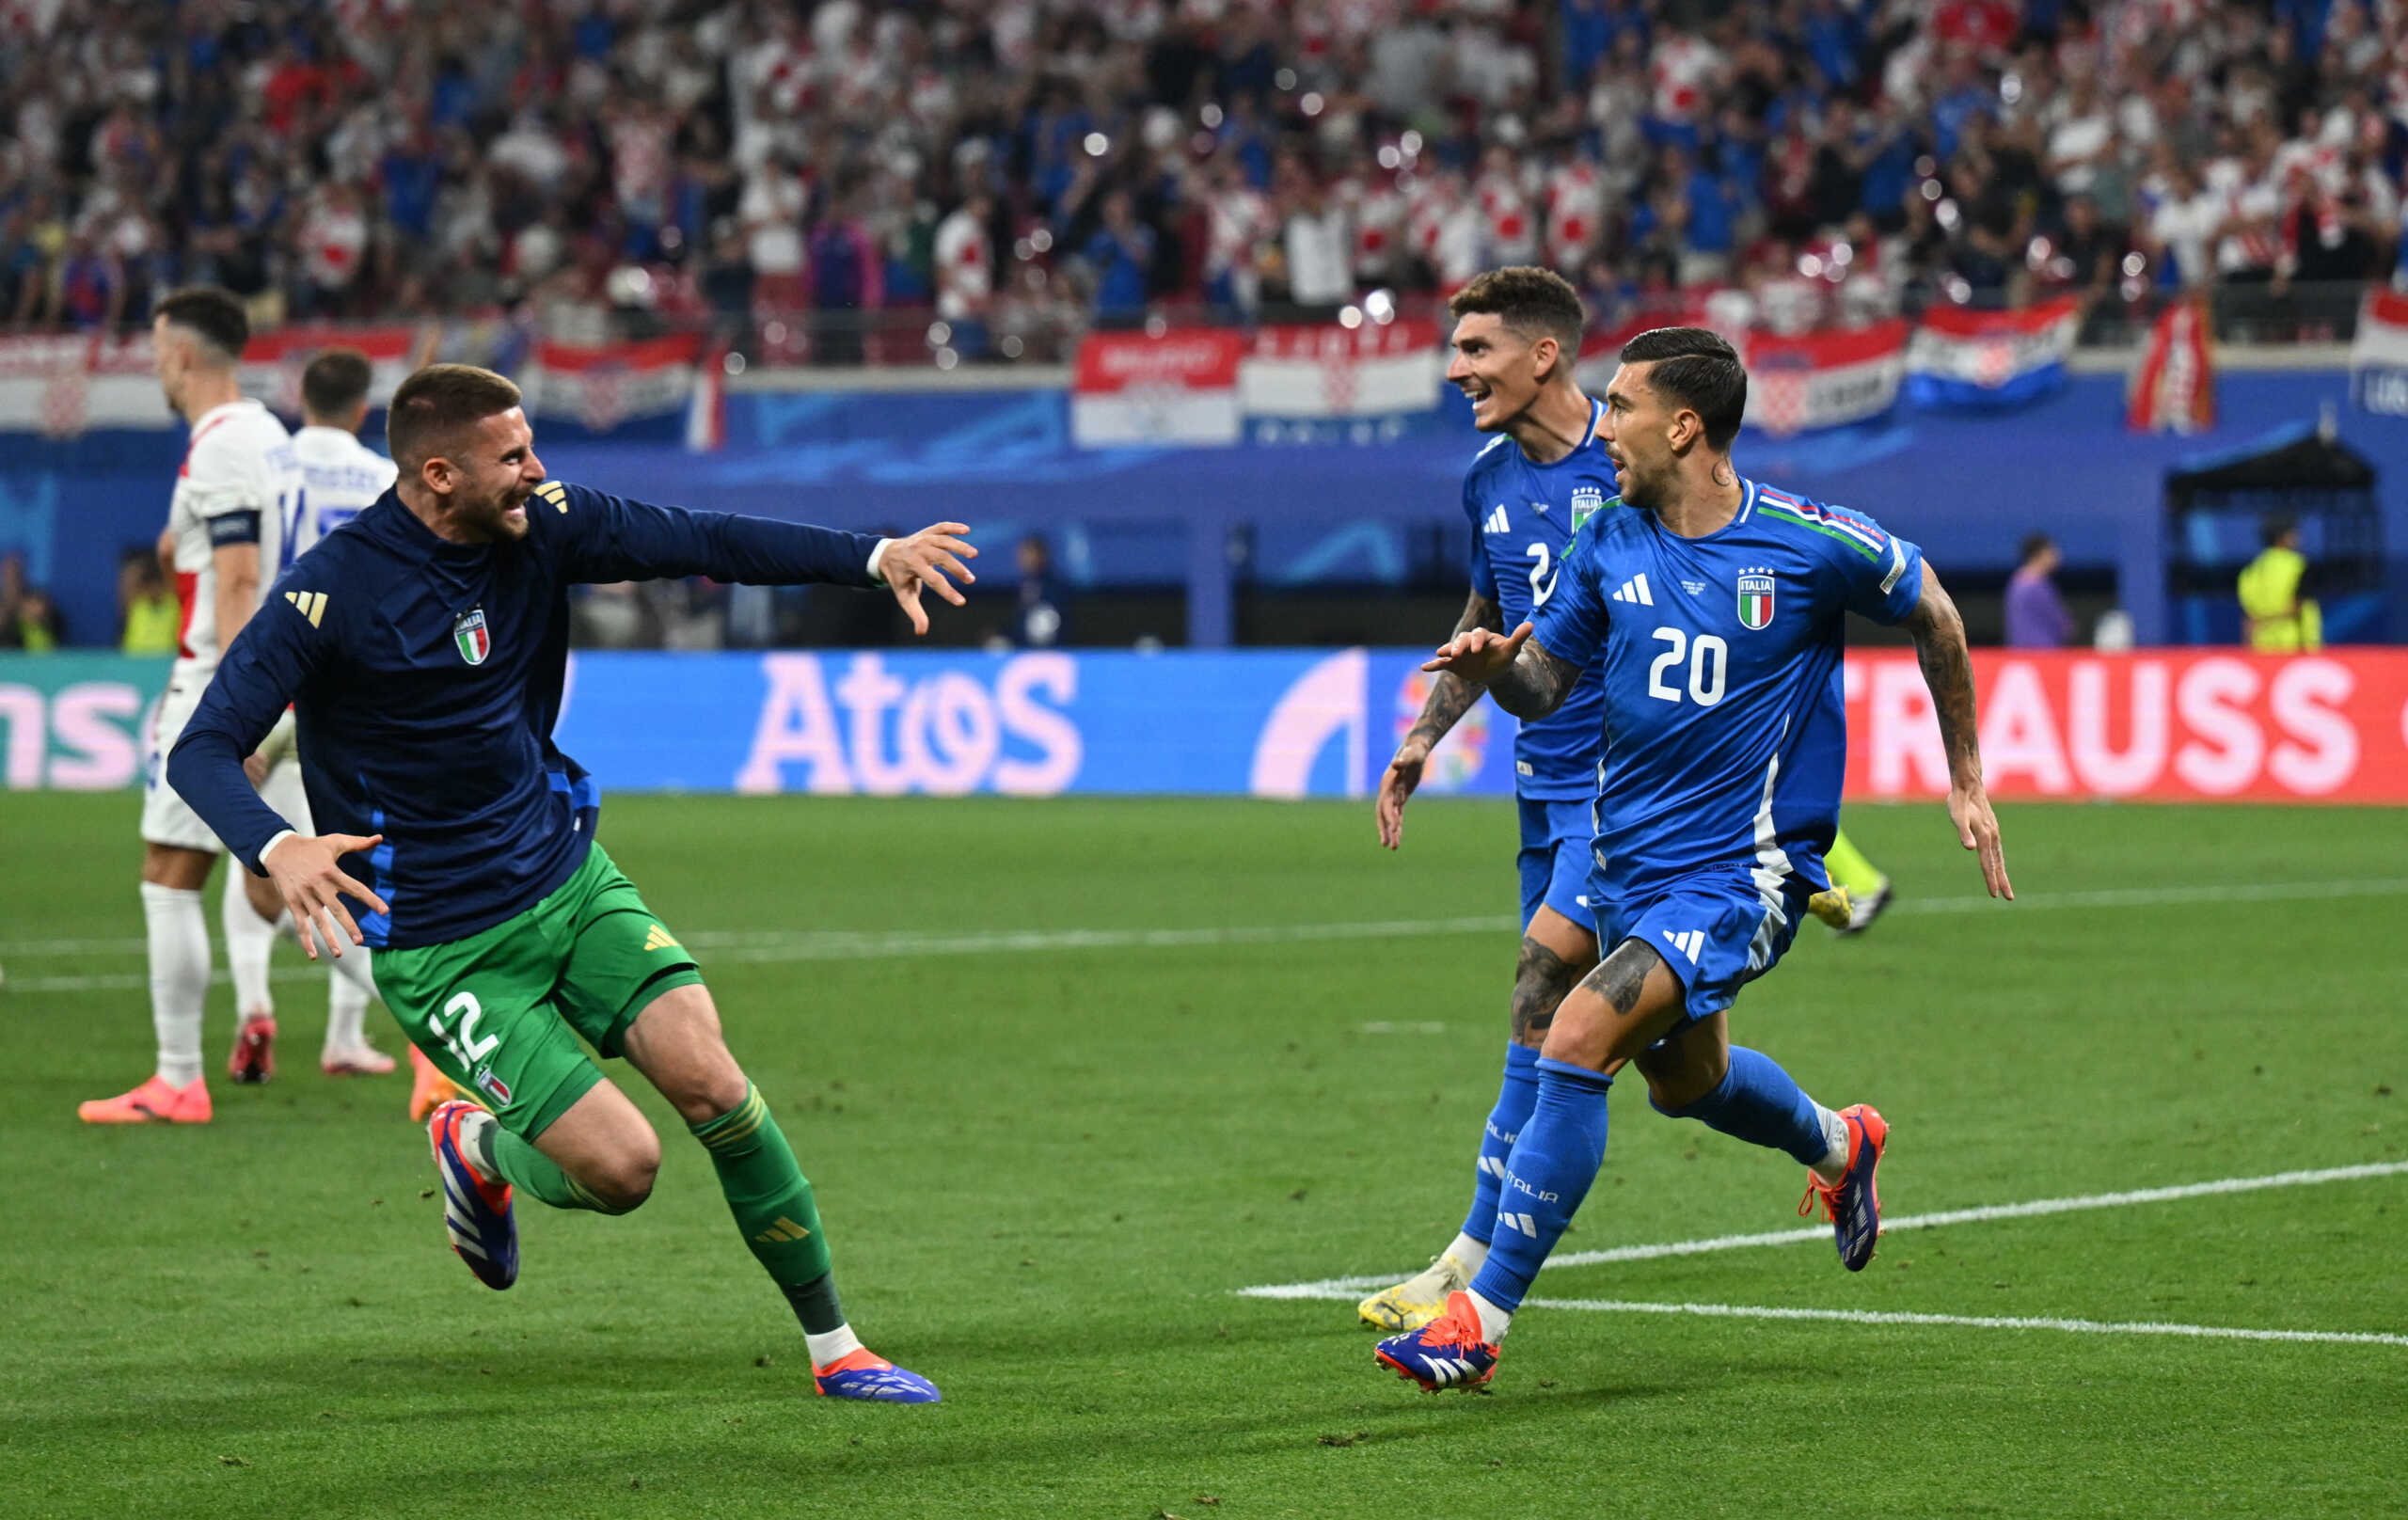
x: 1586, y: 500
x: 1756, y: 600
x: 471, y: 635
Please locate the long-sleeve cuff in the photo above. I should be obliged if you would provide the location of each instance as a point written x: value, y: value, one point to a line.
x: 876, y: 550
x: 273, y: 840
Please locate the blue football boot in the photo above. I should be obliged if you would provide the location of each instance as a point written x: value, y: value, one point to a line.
x: 476, y: 1213
x: 1853, y: 1204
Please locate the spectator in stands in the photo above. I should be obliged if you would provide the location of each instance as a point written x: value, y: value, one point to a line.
x: 2182, y: 229
x: 1121, y: 253
x: 1238, y: 225
x: 1035, y: 319
x: 24, y: 266
x: 1039, y: 609
x: 2037, y: 617
x: 148, y: 614
x: 29, y: 620
x: 376, y: 159
x: 1314, y: 241
x: 333, y: 244
x: 1696, y: 207
x: 772, y: 213
x: 964, y: 255
x: 2087, y: 255
x: 846, y: 276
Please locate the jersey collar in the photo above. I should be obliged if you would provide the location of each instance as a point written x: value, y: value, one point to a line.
x: 1597, y: 416
x: 220, y: 411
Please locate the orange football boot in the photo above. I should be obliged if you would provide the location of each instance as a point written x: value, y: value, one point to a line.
x: 430, y: 1088
x: 153, y: 1103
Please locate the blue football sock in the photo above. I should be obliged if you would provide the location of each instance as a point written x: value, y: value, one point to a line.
x: 1759, y: 1103
x: 1514, y: 1103
x: 1545, y: 1178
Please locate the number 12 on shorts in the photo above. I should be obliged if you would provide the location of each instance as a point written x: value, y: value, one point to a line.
x: 462, y: 1040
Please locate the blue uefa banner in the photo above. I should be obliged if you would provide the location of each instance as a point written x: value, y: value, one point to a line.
x: 1269, y: 723
x: 1266, y: 723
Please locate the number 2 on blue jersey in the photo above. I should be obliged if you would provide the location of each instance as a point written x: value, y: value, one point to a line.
x: 1542, y: 573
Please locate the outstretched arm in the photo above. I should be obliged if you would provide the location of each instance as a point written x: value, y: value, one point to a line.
x: 612, y: 538
x: 1451, y: 697
x: 1948, y: 671
x: 1515, y: 669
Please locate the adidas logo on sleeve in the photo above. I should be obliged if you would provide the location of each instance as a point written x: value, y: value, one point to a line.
x: 1496, y: 522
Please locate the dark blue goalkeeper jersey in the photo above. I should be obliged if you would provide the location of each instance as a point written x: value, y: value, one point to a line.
x: 425, y: 677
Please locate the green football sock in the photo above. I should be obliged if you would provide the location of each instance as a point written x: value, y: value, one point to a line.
x: 503, y: 1154
x: 1849, y: 868
x: 771, y: 1201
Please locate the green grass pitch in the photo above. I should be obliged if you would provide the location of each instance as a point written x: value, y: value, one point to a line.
x: 1048, y: 1163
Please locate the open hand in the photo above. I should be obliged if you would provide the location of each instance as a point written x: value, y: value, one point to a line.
x: 1478, y: 655
x: 1968, y: 808
x: 310, y: 879
x: 1396, y: 788
x: 927, y: 558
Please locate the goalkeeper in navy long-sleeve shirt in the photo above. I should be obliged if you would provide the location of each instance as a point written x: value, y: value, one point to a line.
x: 423, y: 649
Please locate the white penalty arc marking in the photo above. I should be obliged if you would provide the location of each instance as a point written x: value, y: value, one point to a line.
x: 774, y: 946
x: 1343, y: 1287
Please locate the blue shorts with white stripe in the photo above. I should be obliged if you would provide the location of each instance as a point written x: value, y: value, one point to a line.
x: 1718, y: 930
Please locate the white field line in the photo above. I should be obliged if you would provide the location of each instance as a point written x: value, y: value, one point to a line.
x: 743, y: 946
x: 1977, y: 1322
x: 779, y: 946
x: 136, y: 982
x: 1343, y: 1287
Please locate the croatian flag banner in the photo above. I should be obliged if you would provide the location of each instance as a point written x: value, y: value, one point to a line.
x: 1967, y: 360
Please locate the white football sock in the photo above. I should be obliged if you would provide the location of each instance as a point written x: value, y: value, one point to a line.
x: 833, y: 1345
x: 179, y: 938
x: 356, y: 965
x: 1472, y: 1253
x: 1833, y: 1165
x: 250, y: 939
x: 352, y: 965
x: 1493, y: 1320
x: 346, y: 1004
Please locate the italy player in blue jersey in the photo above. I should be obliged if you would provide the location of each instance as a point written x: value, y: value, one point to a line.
x: 422, y: 648
x: 1517, y: 335
x: 1714, y: 604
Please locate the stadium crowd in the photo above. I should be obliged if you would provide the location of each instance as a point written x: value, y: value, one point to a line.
x: 1018, y: 169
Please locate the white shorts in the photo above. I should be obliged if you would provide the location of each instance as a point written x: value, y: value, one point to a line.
x: 167, y: 819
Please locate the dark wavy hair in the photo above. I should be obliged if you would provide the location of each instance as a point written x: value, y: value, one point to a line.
x: 1535, y: 303
x: 1696, y: 369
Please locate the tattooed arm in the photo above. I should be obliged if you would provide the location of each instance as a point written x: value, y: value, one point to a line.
x: 1948, y: 671
x: 1451, y: 697
x: 1526, y: 679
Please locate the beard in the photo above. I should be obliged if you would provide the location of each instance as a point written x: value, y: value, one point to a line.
x: 500, y: 519
x: 1640, y: 492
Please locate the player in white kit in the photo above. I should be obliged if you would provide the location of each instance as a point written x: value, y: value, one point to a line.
x: 239, y: 466
x: 340, y: 477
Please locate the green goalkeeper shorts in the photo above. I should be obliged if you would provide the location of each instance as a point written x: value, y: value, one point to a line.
x: 501, y: 1011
